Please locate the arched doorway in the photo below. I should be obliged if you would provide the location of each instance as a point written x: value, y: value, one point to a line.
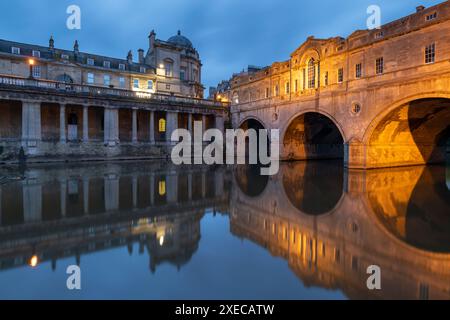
x: 414, y: 133
x: 312, y: 136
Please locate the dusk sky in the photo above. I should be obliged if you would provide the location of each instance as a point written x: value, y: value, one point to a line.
x: 229, y: 34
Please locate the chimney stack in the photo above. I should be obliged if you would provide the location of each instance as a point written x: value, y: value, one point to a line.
x: 152, y: 38
x: 420, y: 8
x: 141, y: 56
x: 130, y: 57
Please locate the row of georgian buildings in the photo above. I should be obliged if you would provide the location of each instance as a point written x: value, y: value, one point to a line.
x: 68, y: 103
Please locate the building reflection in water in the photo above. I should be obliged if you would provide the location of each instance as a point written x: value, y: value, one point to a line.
x: 53, y: 213
x: 328, y: 223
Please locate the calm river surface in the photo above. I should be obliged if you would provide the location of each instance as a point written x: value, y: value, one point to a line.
x: 143, y: 230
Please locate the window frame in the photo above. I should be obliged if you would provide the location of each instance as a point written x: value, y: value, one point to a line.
x: 90, y: 76
x: 90, y: 62
x: 122, y: 66
x: 36, y: 53
x: 430, y: 53
x: 379, y: 66
x: 340, y: 77
x: 107, y: 64
x: 106, y: 83
x: 16, y: 50
x: 358, y: 70
x: 136, y: 83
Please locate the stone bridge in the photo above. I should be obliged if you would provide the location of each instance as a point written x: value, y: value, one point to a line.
x: 379, y: 98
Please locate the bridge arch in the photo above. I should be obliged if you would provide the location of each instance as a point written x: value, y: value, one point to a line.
x: 243, y: 124
x: 312, y: 134
x: 414, y: 130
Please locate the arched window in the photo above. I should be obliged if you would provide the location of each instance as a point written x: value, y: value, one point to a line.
x: 311, y: 74
x: 236, y: 98
x: 162, y: 125
x: 162, y: 188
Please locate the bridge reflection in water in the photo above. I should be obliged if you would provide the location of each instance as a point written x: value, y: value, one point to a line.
x: 329, y: 224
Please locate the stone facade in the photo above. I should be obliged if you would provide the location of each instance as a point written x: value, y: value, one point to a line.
x: 72, y: 105
x: 375, y: 83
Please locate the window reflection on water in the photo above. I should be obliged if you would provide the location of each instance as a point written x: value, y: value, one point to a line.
x: 328, y: 224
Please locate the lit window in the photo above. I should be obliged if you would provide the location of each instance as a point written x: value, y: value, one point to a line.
x: 90, y: 62
x: 106, y: 80
x: 122, y: 82
x: 341, y: 75
x: 432, y: 16
x: 106, y: 64
x: 162, y: 188
x: 90, y: 78
x: 136, y: 83
x: 36, y: 54
x: 150, y: 85
x: 430, y: 53
x: 162, y: 125
x: 379, y: 66
x: 15, y: 50
x: 358, y: 71
x: 121, y: 66
x: 36, y: 71
x: 142, y: 69
x: 311, y: 74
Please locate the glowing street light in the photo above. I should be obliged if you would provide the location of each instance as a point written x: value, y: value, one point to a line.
x: 34, y: 261
x: 31, y: 62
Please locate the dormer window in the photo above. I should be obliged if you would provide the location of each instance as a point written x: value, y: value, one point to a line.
x: 107, y: 64
x: 90, y: 62
x: 15, y: 50
x: 142, y: 70
x: 36, y: 54
x: 431, y: 16
x: 121, y: 66
x: 65, y: 57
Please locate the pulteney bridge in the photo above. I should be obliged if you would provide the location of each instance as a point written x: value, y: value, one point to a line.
x: 379, y: 98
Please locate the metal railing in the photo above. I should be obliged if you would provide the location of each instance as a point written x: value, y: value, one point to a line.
x: 104, y: 91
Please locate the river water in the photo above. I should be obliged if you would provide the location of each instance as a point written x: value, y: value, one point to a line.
x: 144, y: 230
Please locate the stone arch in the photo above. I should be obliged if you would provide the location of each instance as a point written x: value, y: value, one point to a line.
x: 253, y: 118
x: 250, y: 181
x: 412, y: 131
x: 304, y: 183
x: 312, y: 134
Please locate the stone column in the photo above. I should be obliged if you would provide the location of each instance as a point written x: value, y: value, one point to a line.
x: 111, y: 126
x: 204, y: 122
x: 111, y: 193
x: 31, y: 123
x: 134, y: 130
x: 62, y: 123
x: 172, y: 188
x: 152, y: 189
x: 190, y: 182
x: 134, y: 191
x: 190, y: 123
x: 62, y: 197
x: 85, y: 124
x: 86, y: 195
x: 152, y: 127
x: 220, y: 124
x: 32, y: 202
x: 172, y: 125
x: 203, y: 185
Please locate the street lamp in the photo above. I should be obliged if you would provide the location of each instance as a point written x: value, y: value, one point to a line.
x: 31, y: 63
